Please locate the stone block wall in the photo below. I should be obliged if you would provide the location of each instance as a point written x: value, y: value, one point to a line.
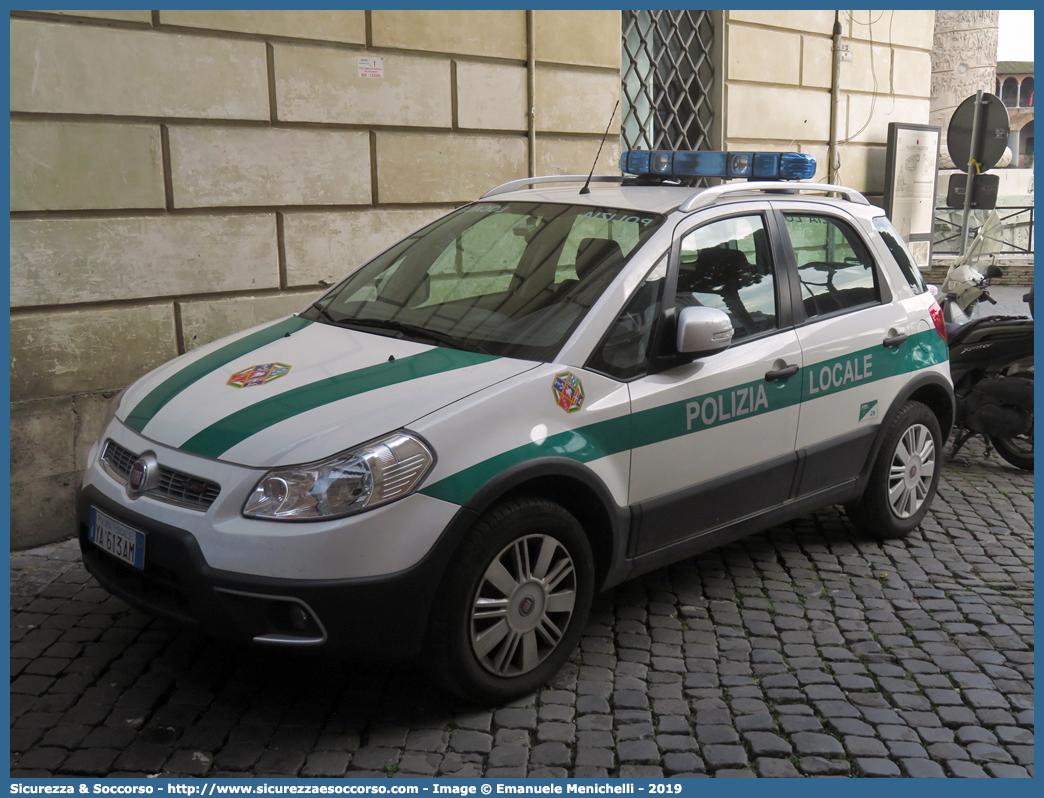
x: 782, y: 60
x: 177, y: 176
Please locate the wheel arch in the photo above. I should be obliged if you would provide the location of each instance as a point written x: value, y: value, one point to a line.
x: 931, y: 389
x: 577, y: 489
x: 935, y: 392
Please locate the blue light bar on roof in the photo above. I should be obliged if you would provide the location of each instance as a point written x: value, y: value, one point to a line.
x: 670, y: 164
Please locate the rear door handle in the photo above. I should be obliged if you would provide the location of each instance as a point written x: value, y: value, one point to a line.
x: 782, y: 374
x: 895, y: 340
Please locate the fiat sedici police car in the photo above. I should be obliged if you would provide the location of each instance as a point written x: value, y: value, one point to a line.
x: 530, y: 400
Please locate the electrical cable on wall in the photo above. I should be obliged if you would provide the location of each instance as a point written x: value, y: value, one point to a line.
x: 873, y: 72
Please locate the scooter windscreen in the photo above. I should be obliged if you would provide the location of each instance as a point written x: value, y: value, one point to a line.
x: 988, y: 242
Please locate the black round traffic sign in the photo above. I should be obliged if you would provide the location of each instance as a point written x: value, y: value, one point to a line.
x: 993, y: 132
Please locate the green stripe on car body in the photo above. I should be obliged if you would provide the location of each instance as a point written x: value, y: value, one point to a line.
x: 921, y: 350
x: 698, y: 413
x: 148, y: 407
x: 658, y: 424
x: 812, y: 382
x: 583, y: 444
x: 237, y: 427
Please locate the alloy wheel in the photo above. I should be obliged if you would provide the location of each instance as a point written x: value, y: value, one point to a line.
x: 523, y: 604
x: 911, y: 471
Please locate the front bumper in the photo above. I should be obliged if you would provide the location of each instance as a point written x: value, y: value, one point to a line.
x: 384, y: 616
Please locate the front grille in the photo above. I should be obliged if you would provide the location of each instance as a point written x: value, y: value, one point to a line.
x: 187, y: 490
x: 119, y: 459
x: 174, y: 486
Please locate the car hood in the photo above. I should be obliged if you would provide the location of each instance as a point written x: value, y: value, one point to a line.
x: 296, y: 391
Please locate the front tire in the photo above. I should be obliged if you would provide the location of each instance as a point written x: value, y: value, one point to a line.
x: 904, y: 477
x: 515, y: 603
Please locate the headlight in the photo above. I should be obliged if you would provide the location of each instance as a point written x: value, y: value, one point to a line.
x: 376, y: 473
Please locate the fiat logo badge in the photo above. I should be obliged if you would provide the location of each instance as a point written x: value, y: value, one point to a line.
x: 526, y: 606
x: 139, y: 473
x: 143, y: 475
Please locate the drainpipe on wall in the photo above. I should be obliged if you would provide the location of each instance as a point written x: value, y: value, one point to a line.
x: 531, y: 75
x: 835, y: 97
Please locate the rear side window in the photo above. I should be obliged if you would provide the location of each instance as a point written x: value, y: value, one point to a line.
x: 901, y: 253
x: 835, y: 268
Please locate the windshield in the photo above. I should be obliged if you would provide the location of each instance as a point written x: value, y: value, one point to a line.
x: 510, y: 279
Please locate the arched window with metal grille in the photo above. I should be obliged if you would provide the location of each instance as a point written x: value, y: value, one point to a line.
x: 668, y: 77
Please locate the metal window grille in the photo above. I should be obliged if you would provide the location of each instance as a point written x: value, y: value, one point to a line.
x: 668, y: 74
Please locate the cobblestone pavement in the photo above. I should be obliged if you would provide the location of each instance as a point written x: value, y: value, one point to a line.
x: 809, y: 650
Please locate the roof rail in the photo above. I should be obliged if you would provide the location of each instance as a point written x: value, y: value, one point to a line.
x: 515, y: 185
x: 709, y: 196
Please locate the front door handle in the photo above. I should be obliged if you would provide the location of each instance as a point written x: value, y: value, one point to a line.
x: 895, y: 340
x: 783, y: 373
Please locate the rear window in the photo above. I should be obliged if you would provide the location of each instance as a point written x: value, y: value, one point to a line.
x: 901, y: 253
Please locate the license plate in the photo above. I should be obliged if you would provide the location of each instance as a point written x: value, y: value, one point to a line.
x: 119, y: 540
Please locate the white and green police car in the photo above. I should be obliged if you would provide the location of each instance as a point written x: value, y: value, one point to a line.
x: 535, y: 398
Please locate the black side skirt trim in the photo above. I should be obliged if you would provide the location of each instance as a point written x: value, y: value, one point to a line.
x: 836, y: 460
x: 683, y: 514
x: 757, y: 522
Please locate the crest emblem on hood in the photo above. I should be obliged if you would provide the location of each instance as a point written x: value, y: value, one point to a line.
x: 258, y: 375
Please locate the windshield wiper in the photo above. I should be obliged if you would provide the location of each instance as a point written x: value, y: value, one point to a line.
x: 413, y: 330
x: 324, y: 313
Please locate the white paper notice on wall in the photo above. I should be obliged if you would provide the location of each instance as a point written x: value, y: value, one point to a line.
x: 922, y: 251
x: 371, y: 67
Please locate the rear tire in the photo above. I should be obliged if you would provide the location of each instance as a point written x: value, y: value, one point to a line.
x: 1017, y: 449
x: 904, y: 477
x: 515, y: 603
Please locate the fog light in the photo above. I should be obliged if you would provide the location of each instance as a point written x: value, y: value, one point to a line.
x: 298, y: 618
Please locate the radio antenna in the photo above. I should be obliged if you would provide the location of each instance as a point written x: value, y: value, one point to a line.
x: 587, y: 186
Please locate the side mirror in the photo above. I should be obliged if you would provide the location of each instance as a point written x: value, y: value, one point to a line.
x: 993, y: 271
x: 703, y: 331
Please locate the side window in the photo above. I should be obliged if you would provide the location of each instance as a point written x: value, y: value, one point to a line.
x: 624, y: 352
x: 834, y: 267
x: 728, y: 265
